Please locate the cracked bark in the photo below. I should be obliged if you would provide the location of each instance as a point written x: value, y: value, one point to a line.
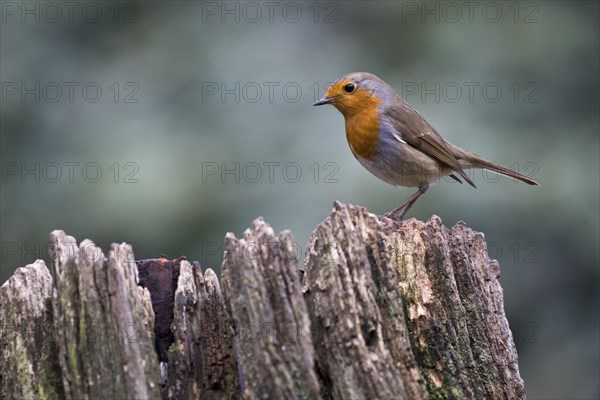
x: 201, y: 360
x: 101, y: 323
x: 28, y: 357
x: 262, y: 289
x: 387, y: 310
x: 411, y: 310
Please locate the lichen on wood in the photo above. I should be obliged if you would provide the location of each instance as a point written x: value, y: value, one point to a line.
x: 100, y: 322
x: 262, y: 290
x: 387, y: 310
x: 201, y: 361
x: 28, y: 355
x: 407, y: 310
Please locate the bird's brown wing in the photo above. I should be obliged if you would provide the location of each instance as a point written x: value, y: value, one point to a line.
x: 417, y: 132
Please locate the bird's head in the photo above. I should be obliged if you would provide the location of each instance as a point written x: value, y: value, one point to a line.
x: 357, y: 92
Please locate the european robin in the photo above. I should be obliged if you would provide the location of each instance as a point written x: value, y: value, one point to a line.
x: 395, y: 143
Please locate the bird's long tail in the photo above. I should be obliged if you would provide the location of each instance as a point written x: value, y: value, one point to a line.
x: 480, y: 162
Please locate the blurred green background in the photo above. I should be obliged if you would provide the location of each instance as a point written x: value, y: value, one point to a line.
x: 168, y: 124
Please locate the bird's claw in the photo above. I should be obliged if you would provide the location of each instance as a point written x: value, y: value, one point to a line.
x: 393, y: 216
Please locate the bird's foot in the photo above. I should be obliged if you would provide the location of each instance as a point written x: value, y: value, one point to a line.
x: 391, y: 215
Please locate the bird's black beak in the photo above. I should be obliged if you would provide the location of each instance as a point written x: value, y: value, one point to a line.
x: 324, y: 100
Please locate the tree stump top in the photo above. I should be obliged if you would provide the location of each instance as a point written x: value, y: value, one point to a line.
x: 386, y: 310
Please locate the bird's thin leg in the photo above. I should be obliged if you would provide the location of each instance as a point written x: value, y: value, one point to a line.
x: 407, y: 204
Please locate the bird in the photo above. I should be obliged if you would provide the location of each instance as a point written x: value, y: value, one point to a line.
x: 395, y: 143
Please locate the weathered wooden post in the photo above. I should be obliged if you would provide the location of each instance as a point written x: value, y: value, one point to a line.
x: 387, y: 310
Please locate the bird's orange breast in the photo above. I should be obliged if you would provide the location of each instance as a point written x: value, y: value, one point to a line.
x: 363, y: 126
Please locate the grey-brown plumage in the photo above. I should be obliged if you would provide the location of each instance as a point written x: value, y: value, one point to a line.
x: 395, y: 143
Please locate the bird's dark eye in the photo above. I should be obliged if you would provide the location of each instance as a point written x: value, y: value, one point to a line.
x: 349, y: 88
